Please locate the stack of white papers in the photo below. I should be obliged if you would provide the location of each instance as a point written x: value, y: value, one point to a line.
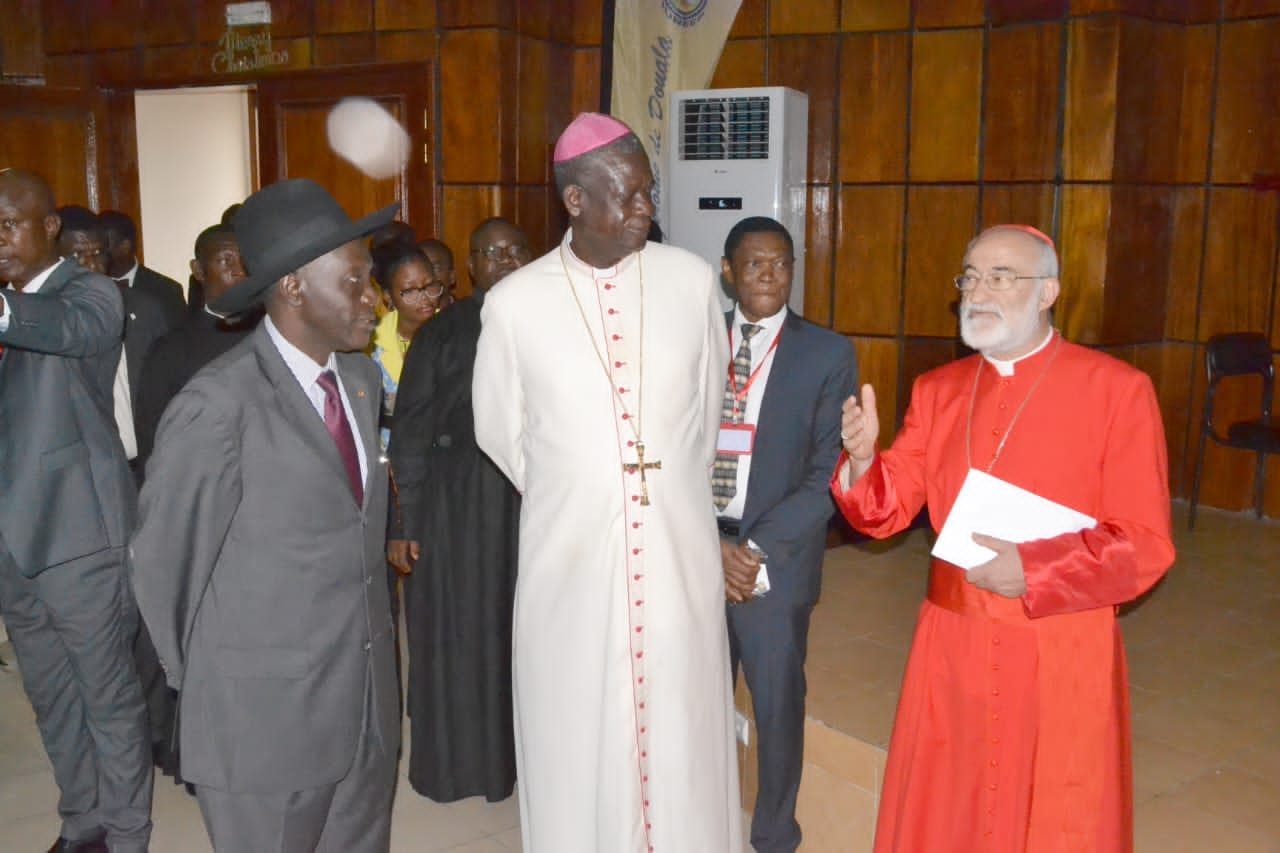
x: 989, y: 505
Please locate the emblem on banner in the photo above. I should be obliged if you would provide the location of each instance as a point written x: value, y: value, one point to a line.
x: 685, y: 13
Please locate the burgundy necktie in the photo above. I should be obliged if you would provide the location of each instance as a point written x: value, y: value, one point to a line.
x: 335, y: 420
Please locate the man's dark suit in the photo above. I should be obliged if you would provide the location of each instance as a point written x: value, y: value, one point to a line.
x: 145, y: 323
x: 66, y: 508
x: 165, y: 291
x: 175, y: 358
x: 786, y: 511
x: 263, y: 585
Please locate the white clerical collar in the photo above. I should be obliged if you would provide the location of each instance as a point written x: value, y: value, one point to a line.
x: 566, y: 246
x: 1005, y: 368
x: 35, y: 283
x: 769, y: 326
x: 301, y: 365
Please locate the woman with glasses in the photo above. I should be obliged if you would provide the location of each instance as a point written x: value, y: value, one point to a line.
x: 407, y: 278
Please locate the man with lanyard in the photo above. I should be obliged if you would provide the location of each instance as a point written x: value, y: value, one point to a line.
x: 778, y: 442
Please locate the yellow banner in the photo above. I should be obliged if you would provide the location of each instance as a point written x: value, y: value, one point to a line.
x: 659, y: 47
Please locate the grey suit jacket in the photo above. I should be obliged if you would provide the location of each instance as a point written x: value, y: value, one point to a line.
x: 66, y: 493
x: 261, y: 580
x: 788, y: 501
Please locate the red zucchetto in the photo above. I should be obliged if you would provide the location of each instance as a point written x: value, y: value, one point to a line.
x: 1034, y: 232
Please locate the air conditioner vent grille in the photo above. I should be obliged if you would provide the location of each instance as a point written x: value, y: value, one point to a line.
x: 725, y: 128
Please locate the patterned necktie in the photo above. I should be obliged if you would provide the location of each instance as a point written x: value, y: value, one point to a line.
x: 724, y: 476
x: 335, y: 421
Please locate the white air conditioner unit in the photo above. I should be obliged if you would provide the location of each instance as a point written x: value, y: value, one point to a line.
x: 734, y: 153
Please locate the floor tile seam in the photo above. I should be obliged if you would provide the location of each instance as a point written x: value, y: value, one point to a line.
x: 1203, y: 813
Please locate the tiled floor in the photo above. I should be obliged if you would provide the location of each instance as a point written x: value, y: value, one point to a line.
x: 1204, y: 653
x: 28, y: 820
x: 1204, y: 665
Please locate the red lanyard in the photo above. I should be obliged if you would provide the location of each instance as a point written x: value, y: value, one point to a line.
x: 739, y: 396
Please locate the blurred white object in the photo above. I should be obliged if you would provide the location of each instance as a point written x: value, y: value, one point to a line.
x: 362, y: 132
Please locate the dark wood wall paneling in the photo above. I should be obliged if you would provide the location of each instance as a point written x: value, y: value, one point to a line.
x: 1132, y: 130
x: 502, y: 69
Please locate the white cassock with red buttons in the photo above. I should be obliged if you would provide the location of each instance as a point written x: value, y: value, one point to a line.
x: 623, y: 702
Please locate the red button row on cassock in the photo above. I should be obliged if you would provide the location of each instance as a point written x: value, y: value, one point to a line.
x: 635, y: 552
x: 995, y: 739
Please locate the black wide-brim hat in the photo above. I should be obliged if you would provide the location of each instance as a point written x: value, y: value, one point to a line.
x: 285, y: 226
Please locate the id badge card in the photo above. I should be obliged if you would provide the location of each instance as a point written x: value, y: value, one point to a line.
x: 736, y: 439
x: 762, y: 582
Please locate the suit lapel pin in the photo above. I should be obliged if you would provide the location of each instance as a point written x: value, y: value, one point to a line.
x: 359, y: 393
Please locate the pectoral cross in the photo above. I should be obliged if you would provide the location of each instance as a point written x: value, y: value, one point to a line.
x: 641, y: 466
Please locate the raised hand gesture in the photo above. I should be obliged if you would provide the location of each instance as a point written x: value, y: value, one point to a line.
x: 859, y: 429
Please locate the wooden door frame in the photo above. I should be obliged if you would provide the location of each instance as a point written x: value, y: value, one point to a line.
x: 111, y: 147
x: 425, y: 210
x: 416, y: 182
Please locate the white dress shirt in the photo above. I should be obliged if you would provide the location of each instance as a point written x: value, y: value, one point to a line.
x: 122, y: 405
x: 762, y: 353
x: 32, y: 286
x: 1005, y: 368
x: 121, y: 394
x: 129, y: 276
x: 306, y: 371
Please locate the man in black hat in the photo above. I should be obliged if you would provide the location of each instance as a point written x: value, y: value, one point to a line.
x: 259, y: 564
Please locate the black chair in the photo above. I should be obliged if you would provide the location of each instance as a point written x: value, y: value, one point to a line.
x: 1239, y: 354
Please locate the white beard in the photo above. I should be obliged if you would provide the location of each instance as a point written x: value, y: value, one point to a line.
x: 1000, y: 333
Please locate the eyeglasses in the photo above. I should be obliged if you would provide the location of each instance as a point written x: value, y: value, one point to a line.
x: 778, y: 265
x: 84, y: 255
x: 422, y: 294
x: 996, y: 281
x: 500, y: 253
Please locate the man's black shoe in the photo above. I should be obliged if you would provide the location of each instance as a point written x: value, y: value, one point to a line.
x: 89, y: 845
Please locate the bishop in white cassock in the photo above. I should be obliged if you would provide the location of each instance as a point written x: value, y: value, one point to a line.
x: 604, y: 354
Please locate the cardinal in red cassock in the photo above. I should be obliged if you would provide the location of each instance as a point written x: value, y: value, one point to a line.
x: 1012, y: 729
